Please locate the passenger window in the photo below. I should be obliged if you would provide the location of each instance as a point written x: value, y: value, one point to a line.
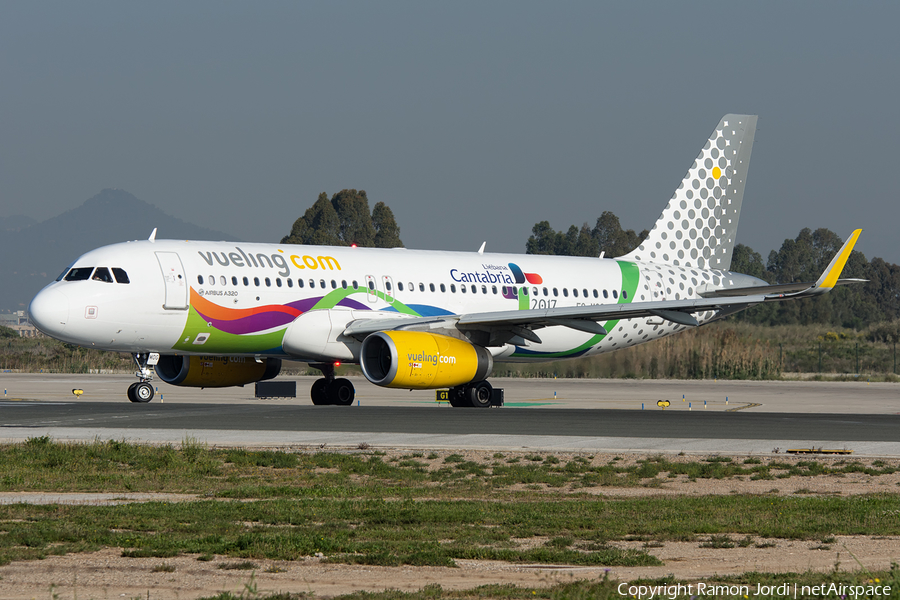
x: 503, y: 290
x: 585, y: 293
x: 615, y: 294
x: 79, y: 273
x: 246, y: 282
x: 566, y: 292
x: 546, y: 293
x: 431, y: 286
x: 524, y: 291
x: 372, y: 285
x: 605, y: 294
x: 453, y: 288
x: 484, y: 289
x: 102, y: 274
x: 625, y: 294
x: 575, y: 292
x: 333, y: 284
x: 400, y: 285
x: 534, y: 291
x: 200, y: 279
x: 312, y: 283
x: 299, y: 283
x: 355, y: 285
x: 278, y: 281
x: 222, y: 280
x: 387, y: 285
x: 212, y: 280
x: 290, y: 283
x: 120, y: 275
x: 474, y: 289
x: 595, y: 294
x: 494, y: 289
x: 555, y: 292
x: 443, y: 288
x: 412, y: 287
x: 462, y: 289
x: 322, y: 283
x: 256, y: 281
x: 234, y: 281
x: 344, y: 283
x: 421, y: 287
x: 268, y: 282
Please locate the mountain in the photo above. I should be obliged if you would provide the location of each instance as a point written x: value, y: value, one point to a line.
x: 15, y: 223
x: 34, y: 255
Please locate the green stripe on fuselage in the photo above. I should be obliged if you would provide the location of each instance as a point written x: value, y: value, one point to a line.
x: 631, y: 276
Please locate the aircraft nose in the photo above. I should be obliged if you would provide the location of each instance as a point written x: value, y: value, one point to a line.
x: 49, y: 310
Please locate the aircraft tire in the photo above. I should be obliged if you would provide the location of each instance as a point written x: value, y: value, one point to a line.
x: 459, y: 398
x: 341, y: 392
x: 319, y: 392
x: 143, y: 392
x: 130, y: 392
x: 480, y: 394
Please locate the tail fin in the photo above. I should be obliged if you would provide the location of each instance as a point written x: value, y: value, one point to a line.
x: 698, y: 227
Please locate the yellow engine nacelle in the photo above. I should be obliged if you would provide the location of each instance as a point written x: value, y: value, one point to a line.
x: 420, y: 360
x: 215, y: 371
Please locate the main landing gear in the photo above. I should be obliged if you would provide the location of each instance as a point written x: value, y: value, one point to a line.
x: 142, y: 391
x: 478, y: 394
x: 329, y: 390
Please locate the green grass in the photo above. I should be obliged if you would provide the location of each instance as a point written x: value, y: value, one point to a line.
x: 374, y: 508
x: 43, y: 465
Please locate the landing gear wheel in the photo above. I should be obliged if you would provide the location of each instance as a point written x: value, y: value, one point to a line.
x: 319, y: 392
x: 341, y: 392
x: 480, y: 394
x: 143, y: 392
x: 130, y: 393
x: 458, y: 398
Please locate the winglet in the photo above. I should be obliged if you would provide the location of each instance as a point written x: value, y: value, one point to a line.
x: 830, y: 277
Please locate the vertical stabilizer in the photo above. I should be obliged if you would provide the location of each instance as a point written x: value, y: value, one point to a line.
x: 698, y: 226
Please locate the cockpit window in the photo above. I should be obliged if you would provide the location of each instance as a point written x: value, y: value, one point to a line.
x: 102, y: 274
x: 79, y: 273
x: 63, y: 274
x: 121, y: 275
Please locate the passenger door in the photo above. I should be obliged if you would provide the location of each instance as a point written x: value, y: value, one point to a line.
x: 176, y: 285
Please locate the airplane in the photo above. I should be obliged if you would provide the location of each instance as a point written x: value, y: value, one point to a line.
x: 215, y: 314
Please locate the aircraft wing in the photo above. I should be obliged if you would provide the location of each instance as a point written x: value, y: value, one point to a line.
x: 508, y: 326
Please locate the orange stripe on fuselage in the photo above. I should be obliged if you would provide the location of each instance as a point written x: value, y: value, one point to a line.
x: 221, y: 313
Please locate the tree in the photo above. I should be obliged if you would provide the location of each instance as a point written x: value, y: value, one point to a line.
x: 745, y: 260
x: 542, y: 239
x: 345, y: 220
x: 387, y: 233
x: 606, y: 236
x: 356, y: 227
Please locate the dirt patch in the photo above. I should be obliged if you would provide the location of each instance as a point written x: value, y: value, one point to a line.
x: 106, y: 574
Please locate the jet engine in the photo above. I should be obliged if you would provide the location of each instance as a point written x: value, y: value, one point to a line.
x: 215, y: 371
x: 421, y: 360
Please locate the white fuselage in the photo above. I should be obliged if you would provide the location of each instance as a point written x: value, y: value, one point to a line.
x: 187, y: 297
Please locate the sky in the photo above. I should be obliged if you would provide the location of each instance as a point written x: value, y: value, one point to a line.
x: 472, y: 120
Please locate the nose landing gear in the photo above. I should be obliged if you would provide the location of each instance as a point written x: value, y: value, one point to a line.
x: 329, y: 390
x: 142, y: 391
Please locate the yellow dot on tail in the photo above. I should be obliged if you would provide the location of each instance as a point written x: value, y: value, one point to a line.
x: 717, y: 172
